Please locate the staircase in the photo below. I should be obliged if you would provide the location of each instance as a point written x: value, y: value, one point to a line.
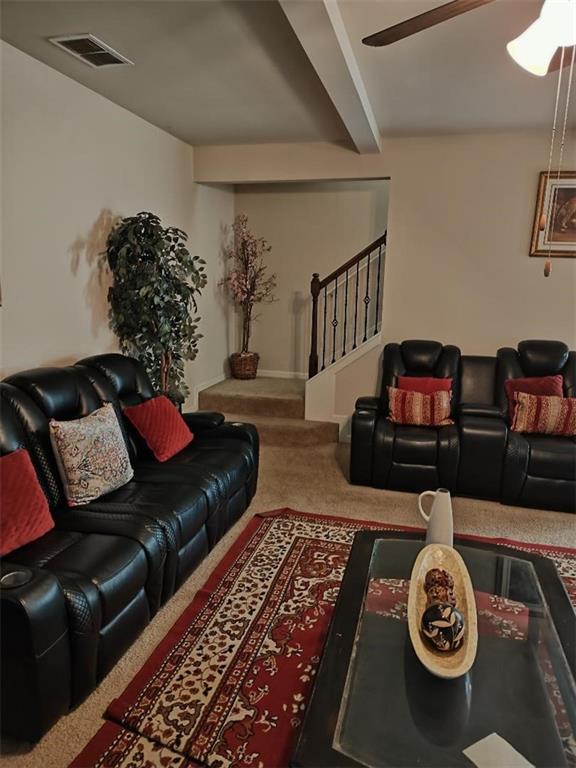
x: 346, y: 309
x: 275, y: 406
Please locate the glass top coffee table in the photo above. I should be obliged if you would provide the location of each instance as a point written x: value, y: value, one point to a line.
x: 374, y: 704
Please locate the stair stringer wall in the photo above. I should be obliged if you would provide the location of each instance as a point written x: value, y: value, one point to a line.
x: 361, y: 371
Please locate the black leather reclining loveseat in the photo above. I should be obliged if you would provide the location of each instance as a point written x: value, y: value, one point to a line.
x: 479, y: 455
x: 73, y: 601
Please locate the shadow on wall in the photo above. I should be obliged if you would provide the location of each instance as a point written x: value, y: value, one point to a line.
x: 91, y: 250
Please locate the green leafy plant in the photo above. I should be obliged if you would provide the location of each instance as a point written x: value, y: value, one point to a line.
x: 153, y: 298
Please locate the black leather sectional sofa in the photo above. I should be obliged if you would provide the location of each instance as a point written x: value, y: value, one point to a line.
x: 73, y: 601
x: 479, y: 455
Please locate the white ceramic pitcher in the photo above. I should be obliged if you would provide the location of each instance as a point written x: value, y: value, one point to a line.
x: 440, y: 521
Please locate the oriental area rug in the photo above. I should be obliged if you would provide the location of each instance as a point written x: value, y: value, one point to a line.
x: 229, y: 684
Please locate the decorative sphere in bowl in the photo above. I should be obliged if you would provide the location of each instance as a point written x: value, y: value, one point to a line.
x: 440, y: 595
x: 443, y: 627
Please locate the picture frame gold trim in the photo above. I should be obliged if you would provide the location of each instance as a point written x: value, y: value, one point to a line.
x: 536, y: 248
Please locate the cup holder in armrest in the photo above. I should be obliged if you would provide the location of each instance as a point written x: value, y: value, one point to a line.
x: 15, y: 578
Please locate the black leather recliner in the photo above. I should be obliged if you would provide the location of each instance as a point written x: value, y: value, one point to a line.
x: 87, y: 598
x: 96, y: 579
x: 406, y: 458
x: 539, y: 470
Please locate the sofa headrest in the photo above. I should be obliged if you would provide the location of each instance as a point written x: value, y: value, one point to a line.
x: 542, y: 358
x: 60, y: 393
x: 126, y: 374
x: 12, y: 436
x: 24, y: 425
x: 421, y: 356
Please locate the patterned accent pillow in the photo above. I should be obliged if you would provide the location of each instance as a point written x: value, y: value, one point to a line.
x: 533, y: 385
x: 416, y: 408
x: 539, y: 414
x: 161, y: 426
x: 91, y: 455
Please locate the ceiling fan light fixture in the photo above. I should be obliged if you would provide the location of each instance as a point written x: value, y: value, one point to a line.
x: 533, y: 49
x: 560, y: 18
x: 555, y: 27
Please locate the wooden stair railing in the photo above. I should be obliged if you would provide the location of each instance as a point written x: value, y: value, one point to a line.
x: 358, y: 281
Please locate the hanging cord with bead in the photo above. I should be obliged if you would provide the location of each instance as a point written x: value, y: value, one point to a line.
x: 551, y: 207
x: 544, y: 218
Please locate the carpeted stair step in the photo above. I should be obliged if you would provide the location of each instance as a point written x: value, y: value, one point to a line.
x: 293, y: 433
x: 279, y: 398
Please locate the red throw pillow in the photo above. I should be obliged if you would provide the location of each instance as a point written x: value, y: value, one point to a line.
x: 539, y: 414
x: 424, y: 384
x: 161, y: 426
x: 534, y: 385
x: 419, y: 409
x: 25, y: 513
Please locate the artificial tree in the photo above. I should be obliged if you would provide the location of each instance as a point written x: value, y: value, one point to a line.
x: 248, y: 284
x: 153, y: 298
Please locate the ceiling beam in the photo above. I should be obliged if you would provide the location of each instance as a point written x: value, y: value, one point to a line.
x: 319, y: 26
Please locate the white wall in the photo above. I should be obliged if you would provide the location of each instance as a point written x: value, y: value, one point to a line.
x: 459, y: 227
x: 460, y: 222
x: 311, y: 227
x: 71, y: 162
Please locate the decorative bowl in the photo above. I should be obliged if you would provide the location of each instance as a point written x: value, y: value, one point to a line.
x: 445, y: 664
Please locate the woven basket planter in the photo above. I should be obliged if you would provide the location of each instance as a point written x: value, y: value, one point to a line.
x: 244, y: 365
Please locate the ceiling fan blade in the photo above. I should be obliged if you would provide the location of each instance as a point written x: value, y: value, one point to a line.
x: 557, y: 58
x: 423, y: 21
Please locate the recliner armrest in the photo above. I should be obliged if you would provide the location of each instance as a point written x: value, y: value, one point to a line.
x: 480, y: 409
x: 368, y: 404
x: 121, y: 519
x: 364, y: 420
x: 237, y: 430
x: 198, y: 421
x: 36, y: 684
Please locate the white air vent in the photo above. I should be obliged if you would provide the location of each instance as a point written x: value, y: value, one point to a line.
x: 90, y: 50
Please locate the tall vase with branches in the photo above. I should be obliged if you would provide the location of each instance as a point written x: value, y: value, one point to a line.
x: 248, y: 283
x: 153, y: 298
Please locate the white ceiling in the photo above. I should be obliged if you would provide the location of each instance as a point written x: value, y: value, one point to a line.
x: 454, y: 77
x: 209, y: 72
x: 213, y: 72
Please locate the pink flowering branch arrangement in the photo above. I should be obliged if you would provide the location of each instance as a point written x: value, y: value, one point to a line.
x: 247, y: 280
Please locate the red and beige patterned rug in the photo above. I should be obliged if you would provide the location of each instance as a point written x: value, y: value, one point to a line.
x: 228, y: 685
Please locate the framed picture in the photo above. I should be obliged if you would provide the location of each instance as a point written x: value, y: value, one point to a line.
x: 554, y: 230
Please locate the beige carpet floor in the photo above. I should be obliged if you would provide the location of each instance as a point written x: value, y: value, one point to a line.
x: 305, y: 479
x: 262, y: 386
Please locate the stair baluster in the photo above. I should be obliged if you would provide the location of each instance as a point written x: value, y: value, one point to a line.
x: 378, y: 288
x: 324, y: 333
x: 334, y: 320
x: 315, y: 292
x: 366, y: 299
x: 345, y: 314
x: 356, y: 302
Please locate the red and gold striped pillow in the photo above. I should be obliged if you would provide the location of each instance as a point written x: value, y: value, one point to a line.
x: 407, y: 407
x: 544, y: 415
